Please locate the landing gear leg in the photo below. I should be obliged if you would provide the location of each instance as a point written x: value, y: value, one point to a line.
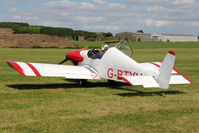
x: 82, y: 82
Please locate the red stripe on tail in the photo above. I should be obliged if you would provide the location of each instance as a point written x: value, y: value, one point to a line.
x: 175, y: 70
x: 16, y: 66
x: 34, y: 69
x: 159, y: 66
x: 172, y: 52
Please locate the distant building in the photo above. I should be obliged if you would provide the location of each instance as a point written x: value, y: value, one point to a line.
x: 144, y: 37
x: 134, y: 36
x: 174, y: 38
x: 79, y: 38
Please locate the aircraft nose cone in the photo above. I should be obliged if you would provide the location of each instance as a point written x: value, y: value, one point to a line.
x: 75, y: 56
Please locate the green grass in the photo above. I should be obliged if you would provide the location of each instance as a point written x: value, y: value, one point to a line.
x: 40, y: 104
x: 143, y: 45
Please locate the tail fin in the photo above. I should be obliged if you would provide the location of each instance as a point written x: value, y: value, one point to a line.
x: 166, y: 70
x: 163, y: 79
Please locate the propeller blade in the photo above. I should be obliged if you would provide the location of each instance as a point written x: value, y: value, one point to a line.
x: 63, y: 61
x: 85, y: 48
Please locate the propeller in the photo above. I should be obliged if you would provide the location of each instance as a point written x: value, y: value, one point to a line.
x: 67, y: 59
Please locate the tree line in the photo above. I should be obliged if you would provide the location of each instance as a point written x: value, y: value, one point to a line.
x: 21, y: 28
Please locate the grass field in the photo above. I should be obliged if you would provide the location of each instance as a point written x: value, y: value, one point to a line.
x: 40, y: 104
x: 144, y: 45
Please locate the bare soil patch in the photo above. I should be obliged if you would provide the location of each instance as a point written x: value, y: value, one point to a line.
x: 9, y: 39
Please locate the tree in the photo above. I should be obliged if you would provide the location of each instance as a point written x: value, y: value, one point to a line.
x: 20, y: 28
x: 140, y: 31
x: 108, y: 34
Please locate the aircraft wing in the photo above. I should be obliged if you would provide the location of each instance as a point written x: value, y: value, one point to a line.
x: 156, y: 65
x: 54, y: 70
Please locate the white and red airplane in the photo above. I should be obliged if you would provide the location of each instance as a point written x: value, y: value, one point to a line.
x: 114, y: 65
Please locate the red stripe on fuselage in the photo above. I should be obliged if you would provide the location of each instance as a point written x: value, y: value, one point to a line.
x: 34, y: 69
x: 126, y: 80
x: 155, y: 64
x: 16, y: 66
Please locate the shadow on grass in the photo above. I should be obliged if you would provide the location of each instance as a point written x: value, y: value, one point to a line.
x: 135, y: 92
x: 154, y: 93
x: 41, y: 86
x: 54, y: 86
x: 71, y: 84
x: 118, y: 86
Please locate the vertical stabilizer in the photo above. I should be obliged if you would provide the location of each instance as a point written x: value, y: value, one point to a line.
x: 166, y: 70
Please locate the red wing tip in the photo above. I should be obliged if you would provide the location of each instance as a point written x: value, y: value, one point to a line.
x: 172, y: 52
x: 16, y: 66
x: 10, y: 63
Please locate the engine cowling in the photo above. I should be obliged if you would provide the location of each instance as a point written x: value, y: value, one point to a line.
x: 75, y: 56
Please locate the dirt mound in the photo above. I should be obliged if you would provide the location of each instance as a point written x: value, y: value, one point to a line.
x: 8, y: 39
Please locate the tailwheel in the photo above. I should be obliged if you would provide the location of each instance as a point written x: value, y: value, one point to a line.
x: 82, y: 82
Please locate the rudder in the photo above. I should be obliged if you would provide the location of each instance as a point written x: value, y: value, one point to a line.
x: 166, y: 70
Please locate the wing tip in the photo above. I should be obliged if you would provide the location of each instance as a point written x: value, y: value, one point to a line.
x: 16, y: 67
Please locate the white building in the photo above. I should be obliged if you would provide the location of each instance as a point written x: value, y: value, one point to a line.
x: 174, y: 38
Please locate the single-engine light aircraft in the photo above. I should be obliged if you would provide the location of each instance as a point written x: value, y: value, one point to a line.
x: 113, y: 63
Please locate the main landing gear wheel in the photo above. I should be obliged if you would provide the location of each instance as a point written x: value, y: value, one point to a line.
x: 82, y: 82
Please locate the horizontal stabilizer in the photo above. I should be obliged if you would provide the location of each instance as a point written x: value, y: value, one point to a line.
x: 156, y: 66
x: 179, y: 79
x: 146, y: 81
x: 149, y: 81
